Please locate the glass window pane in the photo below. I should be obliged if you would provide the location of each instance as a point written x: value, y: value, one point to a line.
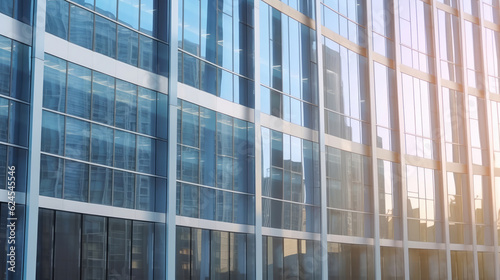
x: 128, y: 46
x: 56, y: 21
x: 79, y: 88
x: 119, y: 249
x: 219, y: 265
x: 128, y: 13
x: 94, y: 247
x: 76, y: 181
x: 123, y: 189
x: 125, y: 145
x: 102, y: 145
x: 100, y: 185
x: 147, y: 111
x: 147, y: 56
x: 126, y: 105
x: 52, y: 133
x: 103, y: 98
x: 105, y: 36
x: 145, y: 193
x: 77, y: 139
x: 20, y: 85
x: 54, y: 83
x: 51, y: 176
x: 81, y: 27
x: 67, y: 246
x: 19, y: 123
x: 146, y: 155
x: 142, y: 250
x: 106, y: 7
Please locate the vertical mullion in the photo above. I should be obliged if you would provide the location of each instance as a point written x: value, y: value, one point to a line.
x: 439, y: 134
x: 172, y: 145
x: 373, y: 141
x: 322, y: 146
x: 33, y: 181
x: 257, y: 146
x: 489, y: 126
x: 402, y: 144
x: 470, y: 172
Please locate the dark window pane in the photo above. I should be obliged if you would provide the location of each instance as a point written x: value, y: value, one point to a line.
x: 190, y: 201
x: 51, y: 176
x: 119, y: 249
x: 159, y: 252
x: 207, y: 203
x: 142, y: 250
x: 145, y: 193
x: 81, y: 27
x: 208, y: 78
x: 191, y: 70
x: 219, y: 247
x: 94, y: 247
x: 67, y: 246
x: 5, y: 63
x: 76, y: 181
x: 200, y: 267
x: 183, y: 253
x: 105, y: 36
x: 45, y: 248
x: 19, y: 123
x: 20, y: 86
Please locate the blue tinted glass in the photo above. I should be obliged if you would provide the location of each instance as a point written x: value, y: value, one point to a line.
x: 224, y: 135
x: 77, y: 139
x: 19, y: 158
x: 126, y: 105
x: 124, y: 150
x: 105, y: 37
x: 240, y: 152
x: 5, y: 62
x: 161, y: 158
x: 192, y: 26
x: 264, y: 44
x: 19, y: 123
x: 265, y: 99
x: 190, y: 165
x: 145, y: 193
x: 79, y: 90
x: 147, y: 111
x: 191, y: 71
x: 4, y: 118
x: 76, y: 181
x: 240, y: 209
x: 208, y: 78
x: 148, y: 14
x: 103, y: 98
x: 225, y: 85
x: 128, y: 13
x: 51, y: 176
x: 56, y: 21
x: 225, y: 41
x: 119, y: 242
x: 277, y: 148
x: 142, y: 241
x: 208, y: 43
x: 7, y: 7
x: 123, y: 189
x: 147, y: 56
x: 106, y: 7
x: 52, y: 133
x: 20, y: 85
x: 102, y: 145
x: 162, y: 59
x: 207, y: 136
x: 207, y: 203
x: 162, y: 116
x: 100, y: 185
x: 225, y: 172
x: 81, y: 27
x: 224, y: 204
x: 86, y: 3
x: 146, y: 155
x: 190, y: 124
x: 54, y: 84
x: 189, y: 201
x: 128, y: 46
x: 160, y: 195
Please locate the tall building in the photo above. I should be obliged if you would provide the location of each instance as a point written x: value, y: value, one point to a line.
x: 249, y: 139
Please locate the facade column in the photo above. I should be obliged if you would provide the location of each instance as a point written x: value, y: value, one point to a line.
x: 33, y: 182
x: 172, y: 143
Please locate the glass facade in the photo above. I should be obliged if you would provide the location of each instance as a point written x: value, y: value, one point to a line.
x: 249, y: 139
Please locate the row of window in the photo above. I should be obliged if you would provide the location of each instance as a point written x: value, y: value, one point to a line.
x: 14, y: 69
x: 210, y: 254
x: 78, y: 246
x: 216, y: 205
x: 91, y: 31
x: 288, y: 55
x: 290, y: 215
x: 78, y: 181
x: 18, y: 9
x: 346, y: 18
x: 88, y: 94
x: 81, y: 140
x: 220, y: 32
x: 215, y: 80
x: 214, y: 149
x: 147, y: 16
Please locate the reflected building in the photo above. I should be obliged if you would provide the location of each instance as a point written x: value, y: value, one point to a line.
x: 250, y: 139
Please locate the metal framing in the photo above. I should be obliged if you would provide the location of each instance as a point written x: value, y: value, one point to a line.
x: 42, y: 42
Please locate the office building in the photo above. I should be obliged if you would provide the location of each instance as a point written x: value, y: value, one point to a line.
x: 240, y: 139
